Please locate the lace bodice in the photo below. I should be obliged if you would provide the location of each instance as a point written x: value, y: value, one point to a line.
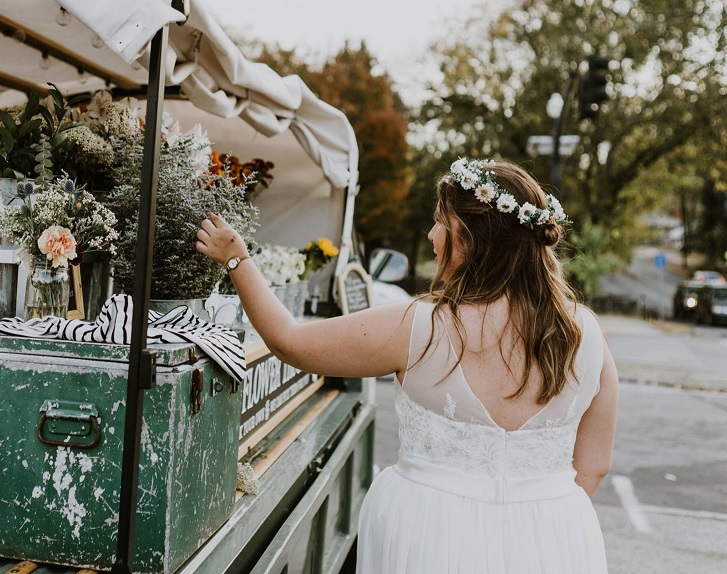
x: 442, y: 421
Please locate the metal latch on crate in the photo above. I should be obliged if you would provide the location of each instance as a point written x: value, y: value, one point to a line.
x: 76, y: 422
x: 217, y: 386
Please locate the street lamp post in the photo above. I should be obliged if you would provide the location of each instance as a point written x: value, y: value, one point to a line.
x: 554, y: 109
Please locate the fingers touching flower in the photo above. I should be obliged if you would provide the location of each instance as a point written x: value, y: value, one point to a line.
x: 58, y: 245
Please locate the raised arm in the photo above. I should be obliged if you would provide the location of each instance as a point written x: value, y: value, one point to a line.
x: 594, y: 443
x: 373, y: 342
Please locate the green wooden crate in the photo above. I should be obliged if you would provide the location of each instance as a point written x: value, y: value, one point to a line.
x: 60, y: 504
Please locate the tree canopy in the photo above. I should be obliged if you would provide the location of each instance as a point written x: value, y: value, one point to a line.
x: 668, y: 82
x: 353, y: 82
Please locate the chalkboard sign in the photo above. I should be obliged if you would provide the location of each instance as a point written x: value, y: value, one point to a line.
x: 354, y: 289
x: 75, y: 300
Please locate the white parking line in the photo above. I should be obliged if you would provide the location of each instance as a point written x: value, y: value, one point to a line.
x: 707, y: 514
x: 625, y: 490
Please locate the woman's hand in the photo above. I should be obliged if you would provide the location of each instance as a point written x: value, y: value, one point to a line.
x: 219, y: 241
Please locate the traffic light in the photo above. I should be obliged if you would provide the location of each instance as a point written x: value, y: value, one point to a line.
x: 593, y: 87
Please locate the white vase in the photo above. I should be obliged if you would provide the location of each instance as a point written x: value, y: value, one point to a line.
x: 8, y: 189
x: 302, y: 294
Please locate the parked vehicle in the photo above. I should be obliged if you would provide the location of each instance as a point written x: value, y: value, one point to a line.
x: 709, y: 277
x: 685, y: 297
x: 711, y: 305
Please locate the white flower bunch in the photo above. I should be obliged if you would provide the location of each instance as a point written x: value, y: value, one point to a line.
x: 107, y: 118
x: 475, y: 175
x: 196, y: 141
x: 58, y: 222
x: 280, y: 265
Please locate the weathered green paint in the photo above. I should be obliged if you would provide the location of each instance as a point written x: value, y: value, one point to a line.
x: 166, y: 354
x: 60, y: 504
x: 285, y: 511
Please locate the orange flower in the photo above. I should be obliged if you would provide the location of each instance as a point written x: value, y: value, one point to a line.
x: 58, y: 245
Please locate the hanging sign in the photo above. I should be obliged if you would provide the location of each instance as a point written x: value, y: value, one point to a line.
x: 354, y: 289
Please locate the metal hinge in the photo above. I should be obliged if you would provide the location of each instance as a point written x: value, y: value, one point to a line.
x: 197, y: 390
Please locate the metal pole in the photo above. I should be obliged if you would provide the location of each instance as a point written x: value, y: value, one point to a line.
x: 555, y: 171
x: 555, y: 174
x: 141, y: 360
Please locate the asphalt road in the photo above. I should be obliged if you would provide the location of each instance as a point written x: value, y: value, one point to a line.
x: 643, y: 282
x: 663, y: 508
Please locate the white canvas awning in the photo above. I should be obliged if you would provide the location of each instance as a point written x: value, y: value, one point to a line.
x: 248, y: 109
x: 104, y: 43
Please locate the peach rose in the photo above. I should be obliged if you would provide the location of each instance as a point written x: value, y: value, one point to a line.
x: 58, y: 244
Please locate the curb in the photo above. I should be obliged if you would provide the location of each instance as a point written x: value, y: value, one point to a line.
x: 655, y: 379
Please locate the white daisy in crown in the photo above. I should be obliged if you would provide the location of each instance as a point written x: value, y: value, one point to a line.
x: 485, y: 192
x: 506, y: 203
x: 544, y: 217
x: 526, y: 213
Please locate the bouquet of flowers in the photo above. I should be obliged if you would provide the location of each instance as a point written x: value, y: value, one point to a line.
x: 186, y: 192
x: 57, y: 223
x: 317, y: 255
x: 54, y: 225
x: 279, y: 265
x: 99, y: 126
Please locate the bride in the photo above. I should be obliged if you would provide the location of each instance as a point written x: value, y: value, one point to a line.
x: 505, y: 388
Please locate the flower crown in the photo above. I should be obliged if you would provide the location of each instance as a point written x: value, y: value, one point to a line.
x: 475, y: 175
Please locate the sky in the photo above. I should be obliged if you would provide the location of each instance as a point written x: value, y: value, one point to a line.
x: 396, y: 32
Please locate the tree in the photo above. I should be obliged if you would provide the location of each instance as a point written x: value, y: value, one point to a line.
x: 353, y: 82
x: 592, y: 259
x: 668, y: 79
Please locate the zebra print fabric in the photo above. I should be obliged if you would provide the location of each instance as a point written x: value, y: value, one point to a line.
x: 113, y: 325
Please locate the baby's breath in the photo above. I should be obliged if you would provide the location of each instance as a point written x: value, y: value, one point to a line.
x: 35, y: 209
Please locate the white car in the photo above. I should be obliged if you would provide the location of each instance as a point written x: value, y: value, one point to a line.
x: 385, y: 293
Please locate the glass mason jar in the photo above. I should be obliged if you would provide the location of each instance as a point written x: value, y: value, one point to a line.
x: 47, y: 291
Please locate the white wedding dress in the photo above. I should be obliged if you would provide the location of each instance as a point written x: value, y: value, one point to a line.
x: 467, y: 496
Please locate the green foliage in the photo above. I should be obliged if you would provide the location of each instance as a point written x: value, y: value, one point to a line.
x: 33, y: 139
x: 668, y: 88
x: 593, y: 258
x: 184, y: 196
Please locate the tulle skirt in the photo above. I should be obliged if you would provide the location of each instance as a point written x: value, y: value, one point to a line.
x: 419, y: 518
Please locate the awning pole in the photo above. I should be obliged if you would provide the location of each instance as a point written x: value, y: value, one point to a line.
x: 141, y: 360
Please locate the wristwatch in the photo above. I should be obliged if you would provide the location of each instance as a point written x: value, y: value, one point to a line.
x: 233, y: 263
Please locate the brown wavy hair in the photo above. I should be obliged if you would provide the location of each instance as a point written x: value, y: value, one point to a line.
x: 506, y: 258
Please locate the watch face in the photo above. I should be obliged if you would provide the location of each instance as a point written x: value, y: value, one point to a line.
x: 233, y: 263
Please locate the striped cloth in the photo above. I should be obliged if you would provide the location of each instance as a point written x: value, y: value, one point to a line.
x: 113, y: 325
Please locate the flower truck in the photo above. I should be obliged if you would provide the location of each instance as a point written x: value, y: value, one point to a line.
x: 158, y: 441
